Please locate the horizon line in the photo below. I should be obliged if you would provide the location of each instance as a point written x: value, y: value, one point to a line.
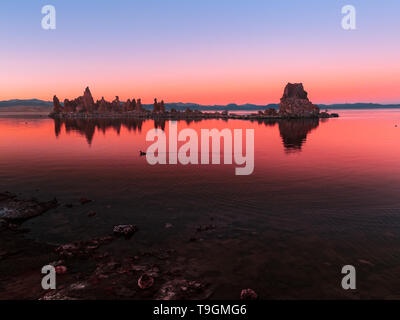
x: 230, y: 103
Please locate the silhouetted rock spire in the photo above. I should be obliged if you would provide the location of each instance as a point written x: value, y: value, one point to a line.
x: 295, y: 103
x: 88, y: 101
x: 57, y: 106
x: 85, y: 104
x: 158, y: 106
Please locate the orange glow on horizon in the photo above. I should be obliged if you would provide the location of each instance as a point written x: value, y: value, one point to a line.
x: 243, y: 79
x: 220, y: 94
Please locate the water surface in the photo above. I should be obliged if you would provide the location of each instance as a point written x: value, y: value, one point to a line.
x: 323, y: 194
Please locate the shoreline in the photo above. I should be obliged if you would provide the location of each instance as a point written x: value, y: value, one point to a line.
x: 193, y: 115
x: 294, y: 104
x: 91, y: 267
x: 119, y: 266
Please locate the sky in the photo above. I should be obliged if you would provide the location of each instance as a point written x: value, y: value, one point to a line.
x: 201, y: 51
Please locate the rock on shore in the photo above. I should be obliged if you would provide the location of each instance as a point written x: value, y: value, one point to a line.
x: 14, y: 210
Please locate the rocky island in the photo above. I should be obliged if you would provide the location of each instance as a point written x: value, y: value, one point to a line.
x: 294, y: 104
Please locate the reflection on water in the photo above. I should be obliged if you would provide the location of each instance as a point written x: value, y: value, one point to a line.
x: 87, y: 127
x: 285, y: 230
x: 293, y: 132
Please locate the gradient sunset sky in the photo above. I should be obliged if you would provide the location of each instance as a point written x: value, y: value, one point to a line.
x: 203, y: 51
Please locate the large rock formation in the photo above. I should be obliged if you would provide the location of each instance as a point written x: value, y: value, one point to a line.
x: 88, y: 102
x: 295, y: 103
x: 87, y: 98
x: 133, y: 105
x: 57, y: 106
x: 159, y: 106
x: 103, y: 105
x: 116, y: 104
x: 85, y: 104
x: 126, y: 106
x: 69, y: 106
x: 139, y: 107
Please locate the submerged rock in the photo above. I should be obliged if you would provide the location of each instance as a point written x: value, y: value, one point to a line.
x: 205, y: 227
x: 145, y: 281
x: 124, y: 229
x: 91, y: 213
x: 248, y: 294
x: 61, y: 269
x: 81, y: 248
x: 181, y: 289
x: 84, y: 200
x: 14, y: 210
x: 53, y: 295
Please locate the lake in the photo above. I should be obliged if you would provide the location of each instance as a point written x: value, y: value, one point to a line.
x: 324, y: 194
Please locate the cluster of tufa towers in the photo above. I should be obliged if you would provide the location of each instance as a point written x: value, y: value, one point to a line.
x: 86, y: 104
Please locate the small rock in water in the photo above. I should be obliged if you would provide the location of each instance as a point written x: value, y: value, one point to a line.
x: 84, y: 200
x: 205, y: 227
x: 124, y: 229
x: 91, y: 213
x: 67, y: 250
x: 248, y: 294
x: 14, y: 210
x: 145, y: 281
x: 61, y: 269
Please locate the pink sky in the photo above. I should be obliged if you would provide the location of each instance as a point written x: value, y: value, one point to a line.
x: 202, y: 52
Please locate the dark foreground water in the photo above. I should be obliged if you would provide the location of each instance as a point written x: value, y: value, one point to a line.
x: 323, y: 194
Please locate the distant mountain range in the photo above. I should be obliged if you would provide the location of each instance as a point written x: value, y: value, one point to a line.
x: 27, y: 103
x: 182, y: 106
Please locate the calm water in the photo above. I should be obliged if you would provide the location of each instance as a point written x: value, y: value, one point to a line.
x: 323, y: 194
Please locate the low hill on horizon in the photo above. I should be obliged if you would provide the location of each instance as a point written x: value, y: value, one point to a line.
x: 28, y: 106
x: 25, y: 102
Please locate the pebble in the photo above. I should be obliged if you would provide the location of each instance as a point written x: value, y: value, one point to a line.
x: 84, y: 200
x: 91, y: 213
x: 248, y: 294
x: 124, y: 229
x: 145, y: 281
x: 61, y: 269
